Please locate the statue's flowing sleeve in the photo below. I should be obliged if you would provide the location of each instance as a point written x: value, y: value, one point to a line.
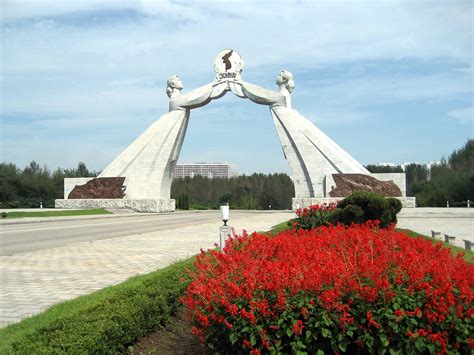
x: 196, y: 98
x: 263, y: 96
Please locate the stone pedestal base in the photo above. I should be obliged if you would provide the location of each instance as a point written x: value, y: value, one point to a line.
x: 303, y: 202
x: 142, y: 205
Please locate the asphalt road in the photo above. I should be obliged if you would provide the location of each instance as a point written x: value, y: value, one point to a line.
x: 56, y: 232
x: 25, y: 237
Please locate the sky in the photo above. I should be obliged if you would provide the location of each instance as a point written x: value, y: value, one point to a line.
x: 389, y: 81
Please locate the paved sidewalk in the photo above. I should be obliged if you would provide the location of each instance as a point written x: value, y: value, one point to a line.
x: 31, y: 282
x: 453, y: 221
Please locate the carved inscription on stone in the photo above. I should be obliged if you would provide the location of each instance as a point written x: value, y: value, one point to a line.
x: 346, y: 184
x: 105, y: 187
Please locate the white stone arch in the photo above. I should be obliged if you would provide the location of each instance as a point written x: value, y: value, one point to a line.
x: 147, y: 165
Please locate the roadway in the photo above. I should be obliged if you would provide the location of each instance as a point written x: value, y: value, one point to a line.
x: 58, y: 231
x: 53, y: 232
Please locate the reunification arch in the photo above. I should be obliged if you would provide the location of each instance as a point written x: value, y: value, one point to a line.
x: 140, y: 177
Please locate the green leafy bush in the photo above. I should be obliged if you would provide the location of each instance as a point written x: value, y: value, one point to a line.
x: 372, y: 205
x: 395, y: 206
x: 102, y: 323
x: 4, y: 215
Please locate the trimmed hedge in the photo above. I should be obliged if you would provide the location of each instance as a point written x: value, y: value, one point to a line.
x: 104, y: 322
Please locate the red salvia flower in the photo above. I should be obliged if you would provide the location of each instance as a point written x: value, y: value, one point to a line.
x: 331, y: 272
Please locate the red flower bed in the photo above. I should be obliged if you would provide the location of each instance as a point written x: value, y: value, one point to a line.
x: 336, y: 289
x: 315, y: 216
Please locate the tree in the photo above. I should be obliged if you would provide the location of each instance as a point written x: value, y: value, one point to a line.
x: 452, y: 180
x: 462, y: 160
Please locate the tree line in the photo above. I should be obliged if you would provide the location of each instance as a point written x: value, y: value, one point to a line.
x: 256, y: 191
x: 35, y: 185
x: 452, y: 180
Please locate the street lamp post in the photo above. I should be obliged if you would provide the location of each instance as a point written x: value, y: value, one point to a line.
x: 225, y: 230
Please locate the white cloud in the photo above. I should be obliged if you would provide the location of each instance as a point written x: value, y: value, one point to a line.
x: 390, y: 88
x: 65, y: 65
x: 21, y: 9
x: 464, y: 116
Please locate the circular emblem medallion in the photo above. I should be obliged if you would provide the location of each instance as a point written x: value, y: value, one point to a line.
x: 228, y: 65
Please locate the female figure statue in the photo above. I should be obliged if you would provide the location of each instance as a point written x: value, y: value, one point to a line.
x: 286, y: 85
x: 148, y: 163
x: 174, y: 85
x: 311, y: 154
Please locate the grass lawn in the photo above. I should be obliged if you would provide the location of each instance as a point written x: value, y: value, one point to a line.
x: 280, y: 227
x: 105, y: 321
x: 56, y: 213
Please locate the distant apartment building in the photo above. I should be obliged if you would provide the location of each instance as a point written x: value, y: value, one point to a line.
x: 405, y: 164
x: 207, y: 170
x: 392, y: 165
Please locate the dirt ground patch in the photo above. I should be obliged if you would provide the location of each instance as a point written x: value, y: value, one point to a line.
x: 175, y: 339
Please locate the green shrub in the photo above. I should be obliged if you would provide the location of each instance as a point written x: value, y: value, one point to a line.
x: 357, y: 208
x: 102, y: 323
x: 4, y: 215
x: 395, y: 206
x: 373, y: 207
x: 351, y: 214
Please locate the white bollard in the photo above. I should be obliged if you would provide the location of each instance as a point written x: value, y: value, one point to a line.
x: 225, y: 230
x: 224, y: 233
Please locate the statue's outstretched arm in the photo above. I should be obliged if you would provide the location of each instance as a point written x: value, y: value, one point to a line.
x: 196, y: 98
x: 262, y: 96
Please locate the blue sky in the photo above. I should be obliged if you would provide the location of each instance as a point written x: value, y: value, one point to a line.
x: 389, y: 81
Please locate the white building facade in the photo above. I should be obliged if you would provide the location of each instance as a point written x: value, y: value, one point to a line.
x: 207, y: 170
